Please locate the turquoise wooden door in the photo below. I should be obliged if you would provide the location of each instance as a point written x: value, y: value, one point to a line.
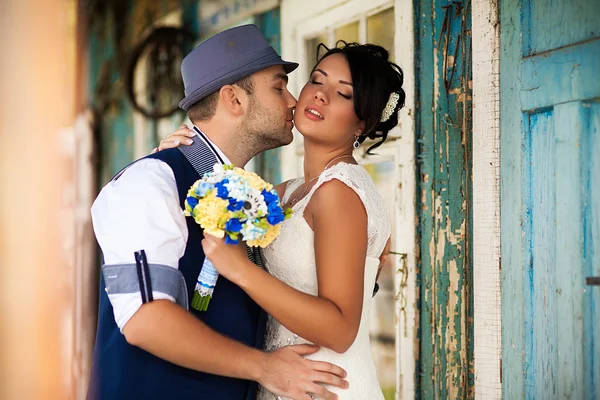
x: 550, y: 193
x: 444, y: 137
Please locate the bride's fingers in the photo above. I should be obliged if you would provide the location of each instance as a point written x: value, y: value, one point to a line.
x: 180, y: 139
x: 184, y: 131
x: 183, y: 135
x: 175, y: 141
x: 167, y: 144
x: 379, y: 268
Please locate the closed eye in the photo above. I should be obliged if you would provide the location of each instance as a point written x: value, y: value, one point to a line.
x: 315, y: 82
x: 345, y: 96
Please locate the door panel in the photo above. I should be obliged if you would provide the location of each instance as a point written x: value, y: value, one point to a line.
x: 550, y: 189
x: 552, y: 24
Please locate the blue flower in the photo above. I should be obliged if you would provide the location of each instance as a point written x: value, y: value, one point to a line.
x: 222, y: 191
x: 275, y: 218
x: 229, y: 240
x: 270, y: 197
x: 274, y: 208
x: 192, y: 201
x: 233, y: 225
x: 203, y: 189
x: 235, y: 205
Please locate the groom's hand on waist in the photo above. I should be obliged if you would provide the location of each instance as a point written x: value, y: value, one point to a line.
x: 287, y: 373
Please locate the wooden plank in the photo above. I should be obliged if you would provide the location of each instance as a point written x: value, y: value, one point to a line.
x: 569, y: 251
x: 511, y: 195
x: 407, y: 348
x: 487, y: 307
x: 545, y: 25
x: 561, y: 76
x: 528, y: 280
x: 426, y: 200
x: 115, y: 114
x: 445, y: 189
x: 542, y: 372
x: 591, y: 249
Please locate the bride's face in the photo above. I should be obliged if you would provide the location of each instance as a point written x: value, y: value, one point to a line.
x: 325, y: 109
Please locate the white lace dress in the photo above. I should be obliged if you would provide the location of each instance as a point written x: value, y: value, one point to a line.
x: 291, y: 259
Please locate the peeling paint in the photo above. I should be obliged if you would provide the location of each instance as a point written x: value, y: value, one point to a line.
x: 444, y: 225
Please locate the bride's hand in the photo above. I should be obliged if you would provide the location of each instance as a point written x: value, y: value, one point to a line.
x: 182, y: 136
x: 229, y: 259
x: 383, y: 257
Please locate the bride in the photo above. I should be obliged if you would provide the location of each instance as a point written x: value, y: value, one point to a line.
x: 323, y: 266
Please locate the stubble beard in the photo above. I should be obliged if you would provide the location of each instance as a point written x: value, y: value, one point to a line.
x: 262, y: 130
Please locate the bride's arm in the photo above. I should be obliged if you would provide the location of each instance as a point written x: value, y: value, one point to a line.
x: 332, y: 318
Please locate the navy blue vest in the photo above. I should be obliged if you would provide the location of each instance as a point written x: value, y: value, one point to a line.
x: 123, y: 371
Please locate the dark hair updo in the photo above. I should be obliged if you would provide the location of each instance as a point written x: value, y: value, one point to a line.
x: 374, y: 78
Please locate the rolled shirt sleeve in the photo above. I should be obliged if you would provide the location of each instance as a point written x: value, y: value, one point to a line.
x: 140, y: 211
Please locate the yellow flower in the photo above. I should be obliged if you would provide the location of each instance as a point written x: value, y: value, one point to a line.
x: 272, y: 232
x: 253, y: 179
x: 209, y: 213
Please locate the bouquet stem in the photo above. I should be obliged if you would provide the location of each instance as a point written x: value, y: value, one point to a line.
x: 200, y: 302
x: 204, y: 286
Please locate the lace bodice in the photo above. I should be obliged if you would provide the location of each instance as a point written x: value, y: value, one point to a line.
x: 291, y: 259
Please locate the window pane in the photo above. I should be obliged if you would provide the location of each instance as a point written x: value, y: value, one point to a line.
x: 383, y: 316
x: 347, y: 33
x: 311, y: 51
x: 381, y: 30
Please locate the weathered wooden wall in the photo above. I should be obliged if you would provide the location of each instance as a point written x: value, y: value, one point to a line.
x: 444, y: 198
x: 487, y: 310
x: 115, y: 27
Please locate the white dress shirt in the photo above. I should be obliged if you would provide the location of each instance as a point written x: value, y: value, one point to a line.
x: 141, y: 210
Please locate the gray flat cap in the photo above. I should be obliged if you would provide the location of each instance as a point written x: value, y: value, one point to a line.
x: 224, y: 59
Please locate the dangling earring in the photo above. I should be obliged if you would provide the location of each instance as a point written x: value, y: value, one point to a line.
x: 356, y: 144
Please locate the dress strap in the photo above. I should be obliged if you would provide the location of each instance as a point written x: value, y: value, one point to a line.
x: 344, y: 173
x: 290, y: 187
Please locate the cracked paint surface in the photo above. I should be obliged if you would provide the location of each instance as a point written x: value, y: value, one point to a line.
x: 444, y: 179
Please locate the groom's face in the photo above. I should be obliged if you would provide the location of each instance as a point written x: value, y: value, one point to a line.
x: 269, y: 117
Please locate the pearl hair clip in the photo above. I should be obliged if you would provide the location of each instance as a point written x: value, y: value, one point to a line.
x: 390, y: 106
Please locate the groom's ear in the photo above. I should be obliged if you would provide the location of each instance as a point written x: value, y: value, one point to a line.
x: 233, y: 100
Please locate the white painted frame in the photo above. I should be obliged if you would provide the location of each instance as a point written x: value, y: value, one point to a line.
x: 486, y: 200
x: 301, y: 21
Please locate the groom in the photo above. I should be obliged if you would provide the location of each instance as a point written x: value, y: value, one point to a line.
x: 150, y: 344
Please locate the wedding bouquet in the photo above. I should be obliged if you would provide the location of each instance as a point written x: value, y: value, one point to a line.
x: 236, y: 204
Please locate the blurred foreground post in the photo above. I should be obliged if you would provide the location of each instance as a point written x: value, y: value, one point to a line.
x: 37, y: 82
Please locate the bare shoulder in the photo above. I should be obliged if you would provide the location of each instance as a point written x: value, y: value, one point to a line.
x: 336, y: 209
x: 334, y: 196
